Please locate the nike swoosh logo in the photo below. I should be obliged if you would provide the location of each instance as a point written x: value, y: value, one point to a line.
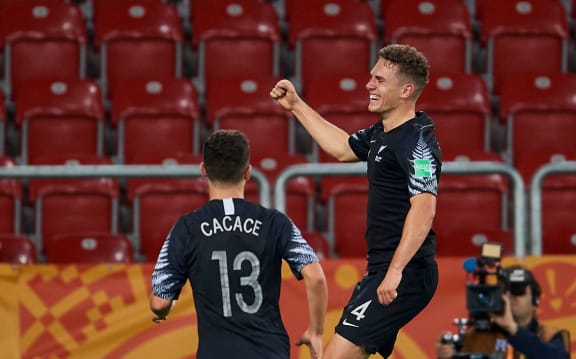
x: 346, y: 323
x: 382, y: 148
x: 372, y: 141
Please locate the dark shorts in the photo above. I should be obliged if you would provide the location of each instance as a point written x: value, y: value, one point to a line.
x: 369, y: 324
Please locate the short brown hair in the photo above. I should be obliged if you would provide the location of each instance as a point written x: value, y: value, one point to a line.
x: 411, y: 62
x: 226, y: 156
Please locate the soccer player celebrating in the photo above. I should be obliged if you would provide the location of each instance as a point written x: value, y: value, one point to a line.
x: 403, y: 159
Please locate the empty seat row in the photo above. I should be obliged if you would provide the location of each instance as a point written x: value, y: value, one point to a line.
x: 163, y: 117
x: 86, y: 247
x: 243, y: 37
x: 472, y: 208
x: 99, y: 247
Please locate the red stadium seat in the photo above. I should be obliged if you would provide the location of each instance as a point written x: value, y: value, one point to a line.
x: 10, y: 201
x: 472, y: 203
x: 331, y: 37
x: 527, y: 163
x: 235, y: 38
x: 558, y: 193
x: 48, y: 112
x: 17, y: 250
x: 534, y: 33
x: 175, y: 196
x: 560, y: 241
x: 300, y: 193
x: 346, y: 212
x: 244, y: 103
x: 459, y: 104
x: 158, y: 117
x: 64, y: 206
x: 4, y: 3
x: 440, y: 29
x: 539, y: 111
x: 2, y: 124
x: 127, y: 32
x: 96, y: 247
x: 558, y: 213
x: 469, y: 243
x: 41, y: 40
x: 345, y: 104
x: 319, y: 243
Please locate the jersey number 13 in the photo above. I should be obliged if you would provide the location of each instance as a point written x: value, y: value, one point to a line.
x: 250, y: 280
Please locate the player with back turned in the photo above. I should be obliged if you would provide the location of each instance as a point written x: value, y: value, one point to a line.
x: 403, y: 160
x: 231, y: 250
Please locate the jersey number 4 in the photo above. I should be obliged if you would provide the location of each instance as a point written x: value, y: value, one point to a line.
x: 251, y: 280
x: 360, y: 310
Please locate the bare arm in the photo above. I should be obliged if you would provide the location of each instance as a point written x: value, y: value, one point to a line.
x: 416, y: 227
x: 160, y: 307
x: 330, y: 138
x: 317, y: 295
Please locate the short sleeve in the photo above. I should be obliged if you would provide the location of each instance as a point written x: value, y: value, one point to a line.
x: 170, y: 273
x: 422, y: 168
x: 360, y: 143
x: 297, y: 252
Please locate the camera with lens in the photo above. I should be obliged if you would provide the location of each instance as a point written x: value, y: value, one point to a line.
x: 485, y: 286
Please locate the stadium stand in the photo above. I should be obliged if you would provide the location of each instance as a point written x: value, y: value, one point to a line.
x: 532, y: 32
x: 345, y: 203
x: 459, y: 104
x: 539, y: 113
x: 469, y: 243
x: 41, y: 40
x: 558, y: 193
x: 99, y: 247
x: 243, y: 103
x: 440, y: 29
x: 162, y: 74
x: 129, y: 31
x: 331, y: 37
x: 159, y: 117
x: 10, y: 201
x: 65, y: 206
x: 300, y: 190
x: 48, y: 111
x: 17, y: 249
x: 234, y: 38
x: 464, y: 199
x: 157, y: 203
x: 2, y: 124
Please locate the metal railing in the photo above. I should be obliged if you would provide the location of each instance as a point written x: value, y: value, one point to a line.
x: 536, y: 199
x: 316, y: 169
x: 455, y: 167
x: 123, y: 171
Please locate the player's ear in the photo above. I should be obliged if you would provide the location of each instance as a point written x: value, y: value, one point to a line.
x: 407, y: 90
x: 203, y: 169
x: 248, y: 172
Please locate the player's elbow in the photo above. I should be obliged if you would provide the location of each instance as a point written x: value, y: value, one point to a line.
x: 159, y: 305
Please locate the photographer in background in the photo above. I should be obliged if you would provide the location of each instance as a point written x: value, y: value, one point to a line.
x: 515, y: 333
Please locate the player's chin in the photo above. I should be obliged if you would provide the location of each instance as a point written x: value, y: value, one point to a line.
x: 374, y: 108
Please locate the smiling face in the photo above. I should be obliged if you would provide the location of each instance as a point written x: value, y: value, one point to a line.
x: 388, y: 89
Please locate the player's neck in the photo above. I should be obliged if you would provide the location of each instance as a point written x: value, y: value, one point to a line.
x: 398, y: 116
x: 221, y: 192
